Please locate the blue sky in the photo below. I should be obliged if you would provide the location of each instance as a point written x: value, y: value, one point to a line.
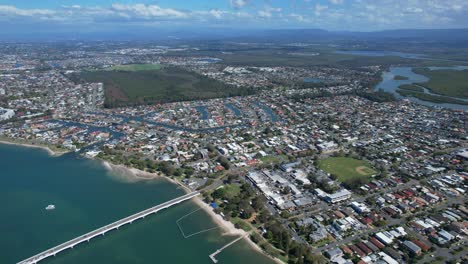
x: 355, y: 15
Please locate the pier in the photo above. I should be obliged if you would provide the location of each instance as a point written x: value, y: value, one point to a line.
x: 212, y: 256
x: 102, y: 230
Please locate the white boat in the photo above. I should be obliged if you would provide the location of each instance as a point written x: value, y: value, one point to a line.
x: 50, y: 207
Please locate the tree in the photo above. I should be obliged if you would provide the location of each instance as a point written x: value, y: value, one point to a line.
x: 248, y: 212
x: 258, y: 202
x: 232, y: 178
x: 224, y: 162
x: 219, y: 193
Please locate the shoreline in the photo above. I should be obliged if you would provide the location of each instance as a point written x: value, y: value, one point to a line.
x: 128, y: 174
x: 228, y: 229
x: 51, y: 152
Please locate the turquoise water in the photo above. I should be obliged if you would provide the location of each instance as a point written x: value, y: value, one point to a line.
x: 86, y: 197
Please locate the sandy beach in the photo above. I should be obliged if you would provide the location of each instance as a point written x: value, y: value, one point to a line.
x: 126, y: 174
x: 228, y: 227
x: 28, y: 145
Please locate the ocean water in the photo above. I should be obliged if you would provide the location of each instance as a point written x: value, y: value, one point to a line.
x: 86, y: 197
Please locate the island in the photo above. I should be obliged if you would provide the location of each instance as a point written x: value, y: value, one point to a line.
x: 400, y: 77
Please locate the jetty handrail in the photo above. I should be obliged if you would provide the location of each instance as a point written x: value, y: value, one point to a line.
x: 102, y: 230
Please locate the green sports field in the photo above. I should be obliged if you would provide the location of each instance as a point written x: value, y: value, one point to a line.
x: 347, y: 169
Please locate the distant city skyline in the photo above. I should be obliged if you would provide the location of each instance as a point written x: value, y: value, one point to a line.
x: 335, y: 15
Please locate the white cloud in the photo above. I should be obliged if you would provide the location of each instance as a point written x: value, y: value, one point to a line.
x: 336, y: 2
x: 319, y: 8
x: 11, y: 10
x: 217, y: 13
x: 148, y: 11
x: 264, y: 13
x: 238, y: 3
x: 330, y: 14
x: 299, y: 18
x: 268, y: 12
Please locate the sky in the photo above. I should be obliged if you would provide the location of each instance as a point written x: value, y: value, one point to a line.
x: 335, y: 15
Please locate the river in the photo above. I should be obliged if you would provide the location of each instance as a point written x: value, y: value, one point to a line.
x: 389, y: 84
x: 87, y: 196
x: 379, y: 53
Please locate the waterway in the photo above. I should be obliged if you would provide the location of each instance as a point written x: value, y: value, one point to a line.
x: 268, y: 111
x: 405, y: 55
x: 389, y: 84
x: 377, y: 53
x: 234, y: 109
x: 203, y: 110
x: 86, y: 197
x: 173, y: 127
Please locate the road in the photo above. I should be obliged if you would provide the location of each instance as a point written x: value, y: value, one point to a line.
x: 390, y: 222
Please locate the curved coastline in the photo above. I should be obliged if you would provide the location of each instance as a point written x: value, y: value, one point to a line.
x: 133, y: 175
x: 30, y: 145
x: 128, y: 174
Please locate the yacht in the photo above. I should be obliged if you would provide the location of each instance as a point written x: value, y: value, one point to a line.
x: 50, y: 207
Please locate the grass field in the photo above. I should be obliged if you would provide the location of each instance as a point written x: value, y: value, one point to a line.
x: 347, y: 169
x: 136, y: 67
x: 446, y: 82
x: 167, y: 84
x: 232, y: 191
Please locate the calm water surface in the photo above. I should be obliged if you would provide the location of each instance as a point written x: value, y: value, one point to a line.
x: 389, y: 84
x: 86, y: 197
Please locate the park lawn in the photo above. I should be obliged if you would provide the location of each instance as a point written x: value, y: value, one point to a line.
x: 242, y: 223
x: 231, y: 191
x: 347, y: 169
x: 136, y: 67
x: 446, y: 82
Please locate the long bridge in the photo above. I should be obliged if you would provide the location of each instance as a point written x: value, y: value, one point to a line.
x: 102, y: 230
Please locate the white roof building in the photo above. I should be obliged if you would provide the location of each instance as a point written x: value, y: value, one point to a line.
x: 338, y: 196
x: 6, y: 114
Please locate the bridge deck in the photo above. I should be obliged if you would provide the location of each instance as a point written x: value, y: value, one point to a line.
x: 102, y: 230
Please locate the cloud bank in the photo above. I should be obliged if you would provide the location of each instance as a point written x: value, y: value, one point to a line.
x: 363, y: 15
